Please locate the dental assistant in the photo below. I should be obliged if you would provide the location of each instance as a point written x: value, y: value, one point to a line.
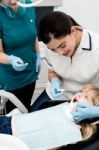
x: 72, y: 55
x: 19, y: 51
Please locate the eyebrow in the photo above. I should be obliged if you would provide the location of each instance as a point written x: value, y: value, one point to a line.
x: 57, y: 47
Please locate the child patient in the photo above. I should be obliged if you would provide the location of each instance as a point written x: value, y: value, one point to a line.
x: 52, y: 127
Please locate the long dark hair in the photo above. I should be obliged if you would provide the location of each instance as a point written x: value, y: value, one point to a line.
x: 56, y: 24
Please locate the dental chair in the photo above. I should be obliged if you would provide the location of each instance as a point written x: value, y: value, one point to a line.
x: 4, y: 97
x: 91, y: 144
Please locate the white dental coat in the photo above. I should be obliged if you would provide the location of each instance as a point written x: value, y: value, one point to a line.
x: 83, y: 69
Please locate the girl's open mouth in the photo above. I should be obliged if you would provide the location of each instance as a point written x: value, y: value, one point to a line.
x: 75, y: 100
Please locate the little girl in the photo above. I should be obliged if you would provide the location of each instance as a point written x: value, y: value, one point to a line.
x: 52, y: 127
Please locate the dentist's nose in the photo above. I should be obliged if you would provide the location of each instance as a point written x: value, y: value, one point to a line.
x: 60, y: 52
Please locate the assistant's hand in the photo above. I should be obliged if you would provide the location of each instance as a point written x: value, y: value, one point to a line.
x: 55, y: 88
x: 85, y: 111
x: 17, y: 63
x: 38, y: 63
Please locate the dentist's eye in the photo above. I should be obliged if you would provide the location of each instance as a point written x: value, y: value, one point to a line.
x: 53, y: 50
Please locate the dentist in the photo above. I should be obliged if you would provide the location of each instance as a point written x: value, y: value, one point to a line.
x: 72, y: 55
x: 19, y: 51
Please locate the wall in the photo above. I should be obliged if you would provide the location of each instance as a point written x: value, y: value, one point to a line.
x: 40, y: 12
x: 84, y: 11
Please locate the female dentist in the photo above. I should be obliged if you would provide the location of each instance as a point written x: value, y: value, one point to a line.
x: 72, y: 55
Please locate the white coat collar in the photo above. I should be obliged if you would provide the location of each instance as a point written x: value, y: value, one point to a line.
x: 86, y: 42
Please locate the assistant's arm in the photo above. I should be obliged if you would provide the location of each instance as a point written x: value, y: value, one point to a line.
x: 3, y: 56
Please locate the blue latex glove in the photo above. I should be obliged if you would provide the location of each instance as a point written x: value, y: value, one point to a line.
x: 55, y: 88
x: 17, y: 63
x: 38, y: 63
x: 85, y: 111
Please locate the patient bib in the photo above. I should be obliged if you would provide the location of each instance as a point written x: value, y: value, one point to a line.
x: 46, y: 129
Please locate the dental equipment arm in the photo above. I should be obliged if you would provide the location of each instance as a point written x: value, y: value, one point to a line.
x: 14, y: 100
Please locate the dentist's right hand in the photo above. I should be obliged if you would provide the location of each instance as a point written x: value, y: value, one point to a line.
x: 55, y: 88
x: 17, y: 63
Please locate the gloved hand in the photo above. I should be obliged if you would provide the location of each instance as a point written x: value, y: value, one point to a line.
x: 55, y: 88
x: 85, y: 111
x: 17, y: 63
x: 38, y: 63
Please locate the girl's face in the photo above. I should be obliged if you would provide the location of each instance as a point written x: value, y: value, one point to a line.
x: 65, y: 46
x: 84, y: 96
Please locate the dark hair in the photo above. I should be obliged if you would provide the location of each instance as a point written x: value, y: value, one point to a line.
x: 56, y: 24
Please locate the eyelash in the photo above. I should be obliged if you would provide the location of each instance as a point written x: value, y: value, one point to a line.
x: 63, y: 46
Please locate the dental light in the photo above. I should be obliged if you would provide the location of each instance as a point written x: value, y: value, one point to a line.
x: 30, y: 4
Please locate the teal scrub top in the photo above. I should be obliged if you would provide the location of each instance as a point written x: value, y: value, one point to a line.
x: 18, y: 35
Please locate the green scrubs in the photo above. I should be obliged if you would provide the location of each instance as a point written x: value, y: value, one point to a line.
x: 18, y: 35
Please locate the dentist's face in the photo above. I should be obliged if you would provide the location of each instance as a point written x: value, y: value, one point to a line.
x: 65, y: 46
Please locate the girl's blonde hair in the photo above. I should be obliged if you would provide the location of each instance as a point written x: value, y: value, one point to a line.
x: 88, y: 129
